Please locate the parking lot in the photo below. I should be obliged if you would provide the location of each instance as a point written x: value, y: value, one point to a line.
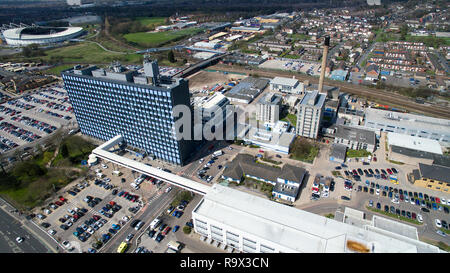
x: 306, y: 67
x: 207, y: 166
x: 190, y: 243
x: 34, y: 116
x: 400, y: 203
x: 96, y: 210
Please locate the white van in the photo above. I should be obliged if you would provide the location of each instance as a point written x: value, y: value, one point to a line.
x: 117, y: 173
x: 135, y: 186
x: 174, y: 245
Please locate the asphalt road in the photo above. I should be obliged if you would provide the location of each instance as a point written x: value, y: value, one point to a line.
x: 153, y: 208
x: 10, y: 229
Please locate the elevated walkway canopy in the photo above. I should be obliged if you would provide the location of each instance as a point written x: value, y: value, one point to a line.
x: 103, y: 152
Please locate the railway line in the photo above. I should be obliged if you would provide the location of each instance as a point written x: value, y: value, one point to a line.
x: 380, y: 96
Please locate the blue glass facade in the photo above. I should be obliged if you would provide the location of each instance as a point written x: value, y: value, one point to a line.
x: 142, y: 114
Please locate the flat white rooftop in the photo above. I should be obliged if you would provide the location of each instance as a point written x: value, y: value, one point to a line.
x: 294, y: 229
x: 408, y: 121
x: 415, y: 143
x: 284, y: 81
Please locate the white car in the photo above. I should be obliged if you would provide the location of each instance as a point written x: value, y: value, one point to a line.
x: 107, y: 179
x: 66, y: 244
x: 325, y: 194
x: 377, y: 192
x: 168, y: 189
x: 438, y: 223
x: 104, y: 166
x: 419, y: 218
x: 395, y: 201
x: 412, y: 201
x: 90, y: 230
x: 443, y: 201
x: 19, y: 240
x: 69, y: 223
x: 126, y: 218
x: 129, y: 237
x: 51, y: 232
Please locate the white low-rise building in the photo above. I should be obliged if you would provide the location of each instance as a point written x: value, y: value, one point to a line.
x: 287, y: 85
x: 253, y: 224
x: 409, y: 124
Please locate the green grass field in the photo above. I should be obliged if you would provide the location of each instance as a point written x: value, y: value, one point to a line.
x: 88, y: 53
x: 291, y: 118
x: 151, y: 21
x: 56, y: 70
x: 155, y: 39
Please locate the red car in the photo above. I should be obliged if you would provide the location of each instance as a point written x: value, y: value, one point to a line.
x: 112, y: 203
x: 59, y: 203
x: 62, y: 199
x: 96, y: 217
x: 375, y: 158
x: 389, y: 171
x: 438, y: 200
x: 166, y: 230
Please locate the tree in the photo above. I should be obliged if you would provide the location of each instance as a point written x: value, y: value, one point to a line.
x: 171, y: 57
x: 64, y: 151
x: 403, y: 32
x: 187, y: 230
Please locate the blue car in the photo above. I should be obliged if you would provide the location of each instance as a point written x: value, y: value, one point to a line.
x: 386, y: 188
x: 390, y: 194
x: 178, y: 215
x: 116, y: 227
x: 434, y: 206
x: 417, y: 202
x: 420, y: 195
x: 367, y: 182
x: 175, y: 228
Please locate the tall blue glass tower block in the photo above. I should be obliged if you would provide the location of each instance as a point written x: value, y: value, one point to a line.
x: 138, y: 106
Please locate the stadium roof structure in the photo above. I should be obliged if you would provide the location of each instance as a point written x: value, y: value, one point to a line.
x: 40, y: 35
